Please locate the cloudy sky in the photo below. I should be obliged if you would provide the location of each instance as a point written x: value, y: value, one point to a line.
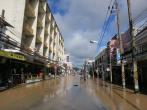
x: 82, y: 20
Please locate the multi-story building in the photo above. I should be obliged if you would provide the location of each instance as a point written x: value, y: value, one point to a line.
x: 107, y: 59
x: 141, y: 57
x: 36, y: 36
x: 34, y: 27
x: 101, y: 63
x: 67, y: 63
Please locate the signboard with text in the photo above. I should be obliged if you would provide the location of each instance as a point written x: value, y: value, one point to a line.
x: 12, y: 55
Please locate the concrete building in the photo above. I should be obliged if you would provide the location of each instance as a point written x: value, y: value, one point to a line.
x: 107, y: 60
x: 141, y: 56
x: 33, y: 46
x: 67, y: 63
x: 34, y: 27
x: 101, y: 63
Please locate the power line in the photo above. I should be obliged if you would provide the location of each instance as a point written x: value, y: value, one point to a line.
x: 105, y: 25
x: 143, y: 25
x: 141, y: 16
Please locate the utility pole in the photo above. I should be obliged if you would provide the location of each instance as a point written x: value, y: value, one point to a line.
x: 110, y: 66
x: 2, y: 28
x: 121, y: 46
x: 134, y: 61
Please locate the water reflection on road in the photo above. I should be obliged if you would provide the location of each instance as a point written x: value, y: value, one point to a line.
x: 55, y: 94
x: 66, y: 93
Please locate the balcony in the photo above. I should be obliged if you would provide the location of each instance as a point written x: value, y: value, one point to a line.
x: 49, y: 16
x: 28, y: 49
x: 46, y: 31
x: 54, y: 43
x: 38, y: 40
x: 50, y: 49
x: 47, y: 19
x: 52, y: 25
x: 47, y: 25
x: 45, y: 45
x: 55, y: 32
x: 51, y: 31
x: 28, y: 30
x: 51, y: 38
x: 46, y: 35
x: 41, y: 8
x: 39, y: 22
x: 30, y: 11
x: 55, y: 49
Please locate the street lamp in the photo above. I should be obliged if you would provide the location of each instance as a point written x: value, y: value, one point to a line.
x: 93, y: 41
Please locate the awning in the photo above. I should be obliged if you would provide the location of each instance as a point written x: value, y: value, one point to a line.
x: 12, y: 55
x: 5, y: 23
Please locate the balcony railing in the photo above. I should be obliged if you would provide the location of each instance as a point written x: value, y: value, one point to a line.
x: 28, y: 29
x: 30, y: 11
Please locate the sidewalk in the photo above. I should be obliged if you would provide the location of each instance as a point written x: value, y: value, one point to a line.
x: 3, y: 88
x: 30, y: 81
x: 125, y: 99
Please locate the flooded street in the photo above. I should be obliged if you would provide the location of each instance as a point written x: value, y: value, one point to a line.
x: 69, y: 93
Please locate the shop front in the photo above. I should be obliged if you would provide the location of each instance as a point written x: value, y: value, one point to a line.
x: 10, y: 69
x: 142, y: 70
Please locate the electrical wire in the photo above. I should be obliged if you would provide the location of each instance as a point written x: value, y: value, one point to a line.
x: 104, y: 25
x: 140, y: 17
x: 140, y: 14
x: 104, y: 28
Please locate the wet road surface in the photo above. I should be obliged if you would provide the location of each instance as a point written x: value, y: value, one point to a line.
x: 69, y: 93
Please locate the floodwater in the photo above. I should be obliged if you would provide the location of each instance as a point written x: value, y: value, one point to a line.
x: 70, y: 93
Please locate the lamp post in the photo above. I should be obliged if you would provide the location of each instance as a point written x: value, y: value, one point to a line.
x: 103, y: 75
x: 94, y: 42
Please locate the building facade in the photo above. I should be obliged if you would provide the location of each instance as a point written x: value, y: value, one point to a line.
x: 102, y: 63
x: 34, y: 27
x: 67, y: 64
x: 32, y: 44
x: 106, y: 63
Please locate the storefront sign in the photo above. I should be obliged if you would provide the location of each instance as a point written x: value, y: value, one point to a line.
x: 12, y: 55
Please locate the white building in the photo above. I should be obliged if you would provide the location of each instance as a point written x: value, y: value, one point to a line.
x: 34, y: 27
x: 68, y: 64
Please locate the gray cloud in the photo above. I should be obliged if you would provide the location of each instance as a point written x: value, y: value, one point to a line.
x: 83, y: 21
